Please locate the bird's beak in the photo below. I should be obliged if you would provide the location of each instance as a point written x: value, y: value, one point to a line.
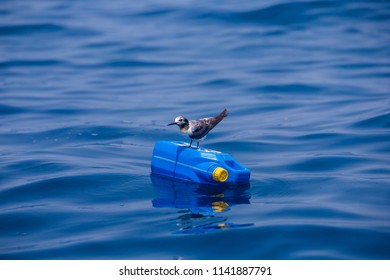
x: 172, y: 123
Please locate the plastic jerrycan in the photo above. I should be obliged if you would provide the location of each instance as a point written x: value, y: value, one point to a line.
x: 176, y: 160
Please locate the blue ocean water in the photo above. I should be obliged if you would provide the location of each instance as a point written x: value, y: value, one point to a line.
x: 87, y: 88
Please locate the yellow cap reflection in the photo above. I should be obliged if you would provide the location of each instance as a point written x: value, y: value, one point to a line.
x: 220, y: 206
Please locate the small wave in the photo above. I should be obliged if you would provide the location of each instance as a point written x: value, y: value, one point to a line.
x: 353, y: 66
x: 376, y: 122
x: 8, y: 110
x: 64, y: 188
x: 77, y: 134
x: 138, y: 63
x: 284, y: 14
x: 328, y: 163
x: 154, y: 12
x: 288, y: 88
x: 26, y: 29
x: 30, y: 63
x: 319, y: 136
x: 220, y: 83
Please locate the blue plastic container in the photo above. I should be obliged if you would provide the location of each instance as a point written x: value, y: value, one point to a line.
x: 203, y: 166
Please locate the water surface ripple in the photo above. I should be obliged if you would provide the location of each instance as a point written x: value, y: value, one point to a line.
x: 87, y: 88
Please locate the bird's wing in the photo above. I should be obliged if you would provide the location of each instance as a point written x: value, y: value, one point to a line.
x: 211, y: 122
x: 199, y: 128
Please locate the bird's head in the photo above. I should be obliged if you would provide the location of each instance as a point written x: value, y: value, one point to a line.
x: 180, y: 121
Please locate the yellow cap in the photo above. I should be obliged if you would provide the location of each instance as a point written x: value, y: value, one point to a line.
x: 220, y: 174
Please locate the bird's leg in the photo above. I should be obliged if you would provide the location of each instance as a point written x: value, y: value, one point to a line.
x: 190, y: 144
x: 197, y: 145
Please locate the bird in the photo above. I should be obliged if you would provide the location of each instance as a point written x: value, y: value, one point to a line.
x: 198, y: 129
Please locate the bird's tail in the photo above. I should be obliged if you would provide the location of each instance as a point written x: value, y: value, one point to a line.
x: 223, y: 114
x: 214, y: 121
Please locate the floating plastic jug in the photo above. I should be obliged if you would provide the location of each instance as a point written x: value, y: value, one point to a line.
x: 204, y: 166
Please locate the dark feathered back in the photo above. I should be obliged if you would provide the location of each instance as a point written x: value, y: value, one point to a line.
x: 203, y: 126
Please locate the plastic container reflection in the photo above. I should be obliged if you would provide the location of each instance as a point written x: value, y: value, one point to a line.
x: 203, y: 205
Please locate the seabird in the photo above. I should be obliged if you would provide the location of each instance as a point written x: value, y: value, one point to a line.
x: 198, y: 129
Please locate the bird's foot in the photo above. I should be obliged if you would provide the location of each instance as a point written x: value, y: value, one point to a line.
x: 192, y: 147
